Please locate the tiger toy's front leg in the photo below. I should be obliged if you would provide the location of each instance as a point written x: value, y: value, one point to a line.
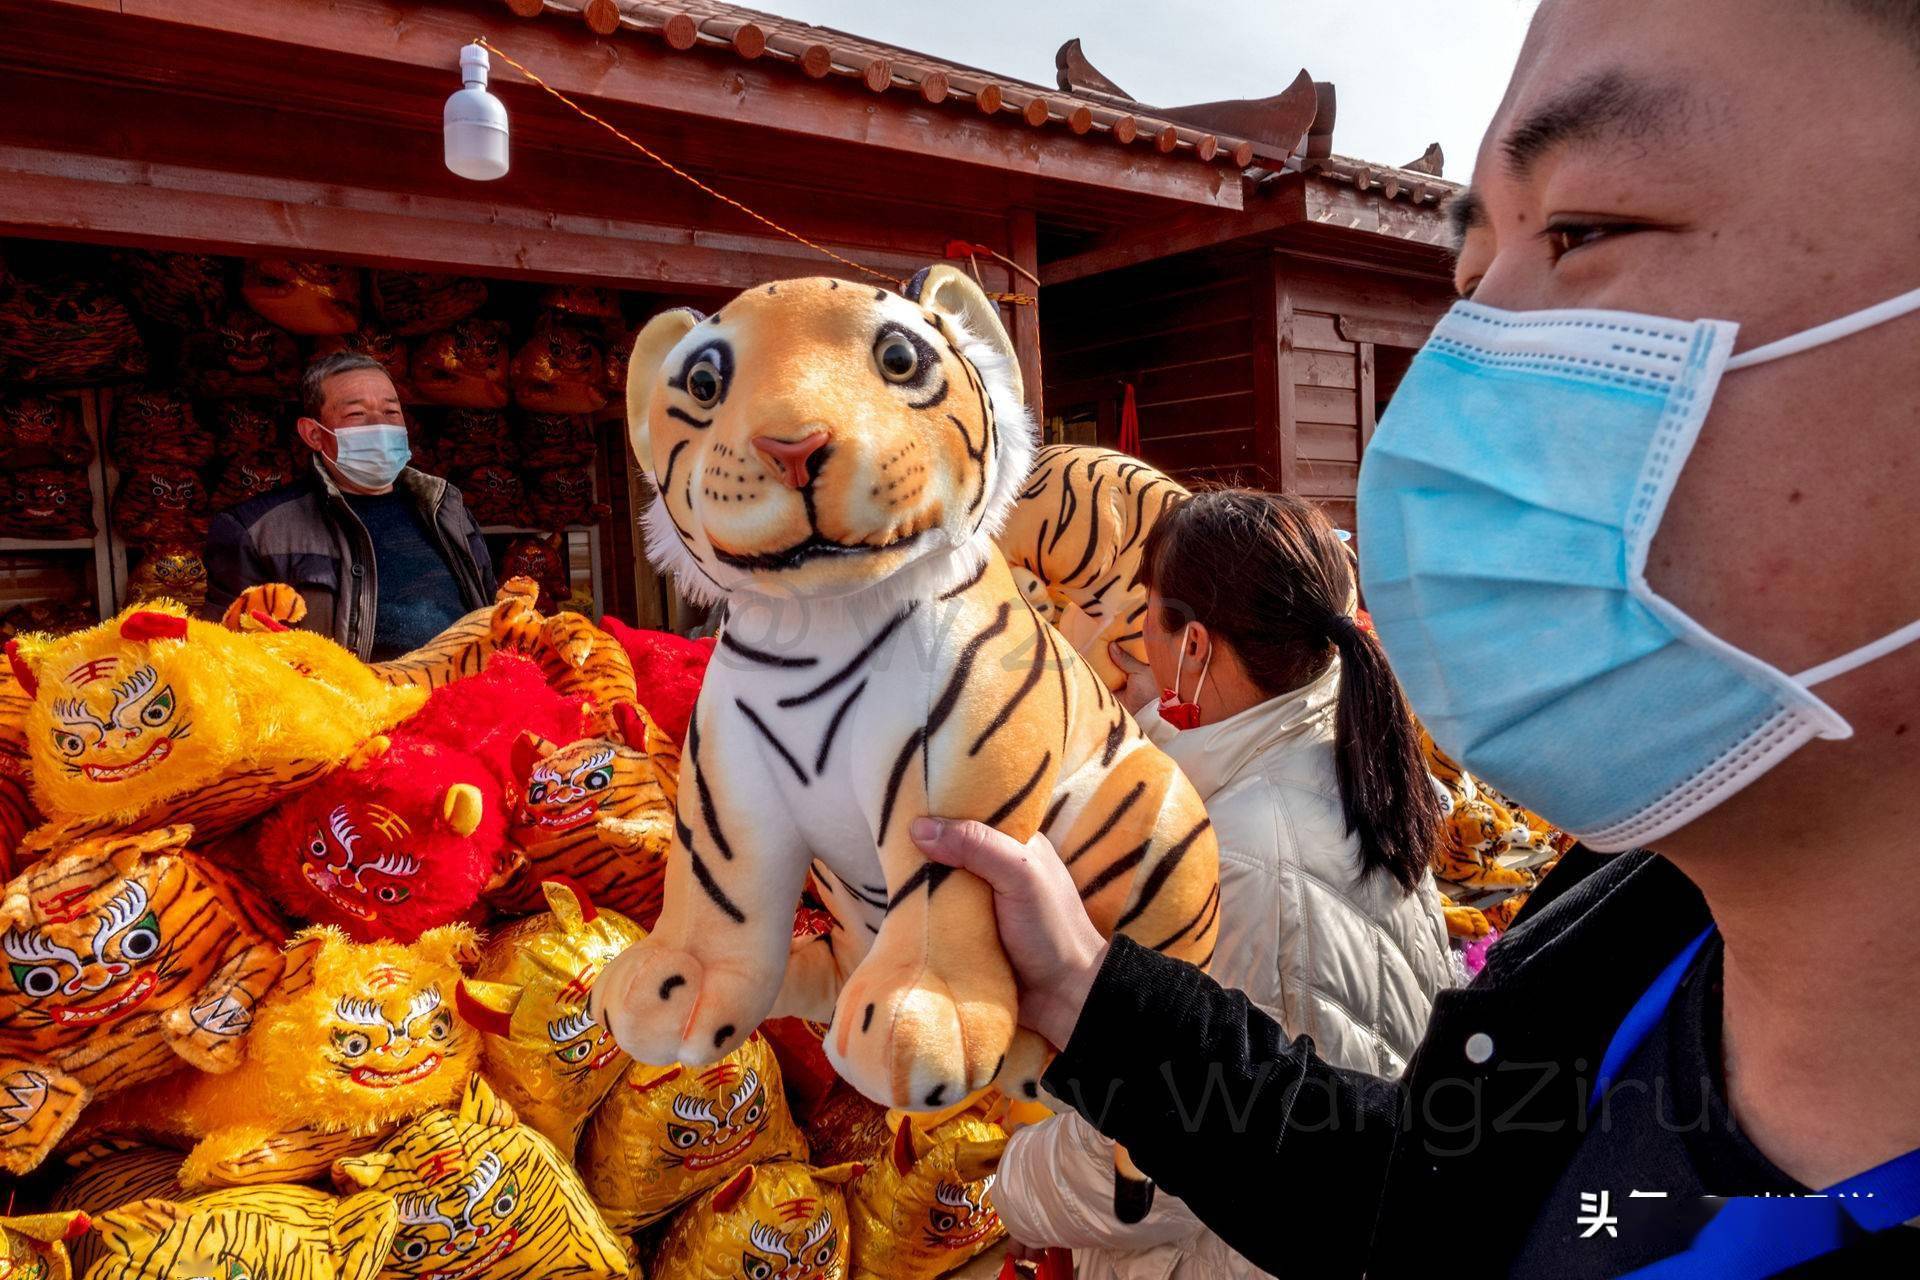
x: 696, y: 987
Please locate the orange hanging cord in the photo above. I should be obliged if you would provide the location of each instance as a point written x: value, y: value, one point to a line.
x: 1018, y: 299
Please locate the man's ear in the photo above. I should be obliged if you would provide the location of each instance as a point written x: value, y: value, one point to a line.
x: 644, y: 371
x: 952, y: 295
x: 311, y: 434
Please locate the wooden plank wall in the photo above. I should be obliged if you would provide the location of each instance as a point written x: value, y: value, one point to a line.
x: 1255, y: 368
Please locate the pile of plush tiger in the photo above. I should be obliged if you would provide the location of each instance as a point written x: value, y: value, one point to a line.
x: 574, y: 1087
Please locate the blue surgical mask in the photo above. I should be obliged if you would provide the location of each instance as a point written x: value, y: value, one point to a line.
x: 370, y: 457
x: 1507, y: 503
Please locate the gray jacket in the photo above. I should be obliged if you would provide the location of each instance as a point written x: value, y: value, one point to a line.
x: 306, y: 536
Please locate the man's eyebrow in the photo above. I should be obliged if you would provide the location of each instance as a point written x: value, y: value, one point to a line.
x: 1465, y: 212
x: 1608, y: 103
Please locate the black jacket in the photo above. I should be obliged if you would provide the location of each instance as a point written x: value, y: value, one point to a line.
x: 1288, y: 1158
x: 306, y: 536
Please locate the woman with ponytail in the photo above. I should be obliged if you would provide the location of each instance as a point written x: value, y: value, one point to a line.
x: 1283, y: 713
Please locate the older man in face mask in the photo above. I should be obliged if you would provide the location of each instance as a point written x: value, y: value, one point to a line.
x: 1637, y: 535
x: 386, y: 557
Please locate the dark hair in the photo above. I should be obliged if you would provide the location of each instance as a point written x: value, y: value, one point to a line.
x: 1266, y: 573
x: 313, y: 383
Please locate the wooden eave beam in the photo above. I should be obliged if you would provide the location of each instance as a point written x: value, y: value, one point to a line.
x: 1281, y: 205
x: 633, y: 69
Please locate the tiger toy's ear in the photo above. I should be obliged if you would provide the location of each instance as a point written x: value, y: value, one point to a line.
x: 952, y: 295
x: 910, y: 1146
x: 733, y: 1190
x: 480, y: 1105
x: 488, y: 1006
x: 529, y: 749
x: 22, y: 669
x: 146, y: 624
x: 361, y: 1171
x: 643, y: 372
x: 363, y: 1229
x: 302, y: 957
x: 456, y: 945
x: 839, y: 1175
x: 974, y: 1160
x: 367, y: 752
x: 462, y: 808
x: 568, y: 901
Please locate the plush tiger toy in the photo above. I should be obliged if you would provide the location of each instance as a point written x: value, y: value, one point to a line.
x: 283, y: 1232
x: 1079, y: 526
x: 833, y: 460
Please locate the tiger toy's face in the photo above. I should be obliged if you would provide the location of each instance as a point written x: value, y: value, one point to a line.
x: 493, y: 493
x: 115, y: 927
x: 369, y: 1030
x: 252, y: 475
x: 776, y: 1221
x: 481, y: 1197
x: 814, y: 437
x: 49, y: 501
x: 119, y: 719
x: 528, y: 996
x: 37, y: 428
x: 175, y: 575
x: 561, y: 496
x: 356, y: 858
x: 667, y: 1133
x: 923, y: 1210
x: 574, y: 785
x: 247, y: 344
x: 158, y: 425
x: 246, y: 427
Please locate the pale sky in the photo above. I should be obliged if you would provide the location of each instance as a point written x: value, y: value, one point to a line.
x: 1409, y: 72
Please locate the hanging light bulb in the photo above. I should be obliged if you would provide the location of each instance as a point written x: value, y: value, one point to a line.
x: 475, y: 123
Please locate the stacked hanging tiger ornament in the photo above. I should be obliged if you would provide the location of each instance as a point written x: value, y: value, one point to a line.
x: 833, y: 461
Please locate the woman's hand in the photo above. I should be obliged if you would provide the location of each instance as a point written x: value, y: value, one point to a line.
x: 1055, y: 949
x: 1141, y: 689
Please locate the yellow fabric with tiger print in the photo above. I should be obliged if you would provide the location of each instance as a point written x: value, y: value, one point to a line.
x: 126, y: 958
x: 250, y: 1233
x: 153, y: 717
x: 1079, y: 526
x: 528, y: 998
x: 34, y: 1246
x: 108, y: 1174
x: 357, y: 1037
x: 482, y: 1197
x: 834, y: 460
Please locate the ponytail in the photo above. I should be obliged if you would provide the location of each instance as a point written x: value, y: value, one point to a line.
x: 1267, y: 574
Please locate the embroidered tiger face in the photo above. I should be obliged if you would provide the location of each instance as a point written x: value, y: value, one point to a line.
x: 48, y: 502
x: 118, y: 721
x: 561, y: 369
x: 665, y: 1134
x: 414, y: 302
x: 43, y: 429
x: 184, y: 290
x: 169, y: 574
x: 246, y: 427
x: 481, y: 1197
x: 494, y: 494
x: 163, y: 502
x: 158, y: 424
x: 250, y: 475
x: 923, y: 1210
x: 814, y: 437
x: 34, y: 1247
x: 528, y: 996
x: 368, y: 1031
x: 115, y: 926
x: 247, y: 1233
x: 241, y: 355
x: 570, y: 787
x: 777, y: 1221
x: 465, y: 365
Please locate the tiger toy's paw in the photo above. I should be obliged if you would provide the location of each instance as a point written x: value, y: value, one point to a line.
x: 271, y: 606
x: 663, y: 1005
x: 38, y: 1104
x: 908, y: 1038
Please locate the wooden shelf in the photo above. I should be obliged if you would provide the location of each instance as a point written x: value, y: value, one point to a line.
x: 520, y: 528
x: 46, y: 544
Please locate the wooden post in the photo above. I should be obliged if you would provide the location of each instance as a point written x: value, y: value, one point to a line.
x: 1023, y: 237
x: 1365, y: 390
x: 1275, y: 451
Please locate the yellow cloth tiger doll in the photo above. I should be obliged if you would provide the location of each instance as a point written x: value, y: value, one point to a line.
x: 922, y: 1210
x: 126, y: 958
x: 528, y: 998
x: 484, y: 1198
x: 153, y: 717
x: 777, y: 1221
x: 34, y: 1246
x: 1079, y: 526
x: 665, y: 1134
x: 834, y: 460
x: 282, y: 1232
x: 357, y: 1037
x: 1491, y: 852
x: 107, y: 1174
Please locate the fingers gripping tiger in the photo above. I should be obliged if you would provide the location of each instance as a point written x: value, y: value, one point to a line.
x: 833, y: 461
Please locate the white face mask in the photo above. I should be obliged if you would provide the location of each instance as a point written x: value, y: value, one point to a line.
x: 371, y: 456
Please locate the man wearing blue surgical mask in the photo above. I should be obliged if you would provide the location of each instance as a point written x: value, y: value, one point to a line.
x: 385, y: 556
x: 1637, y: 535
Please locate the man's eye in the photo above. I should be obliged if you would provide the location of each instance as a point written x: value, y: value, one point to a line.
x: 1562, y: 238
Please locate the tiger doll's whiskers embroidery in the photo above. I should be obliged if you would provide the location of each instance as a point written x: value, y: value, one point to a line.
x: 851, y: 694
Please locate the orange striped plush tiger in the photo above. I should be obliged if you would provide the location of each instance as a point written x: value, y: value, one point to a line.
x: 834, y: 460
x: 1079, y: 526
x: 126, y: 958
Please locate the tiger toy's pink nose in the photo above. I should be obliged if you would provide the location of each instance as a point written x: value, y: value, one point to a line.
x: 789, y: 458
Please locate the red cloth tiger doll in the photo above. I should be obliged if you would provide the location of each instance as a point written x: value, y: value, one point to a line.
x: 48, y: 502
x: 240, y: 355
x: 43, y: 431
x: 162, y: 502
x: 158, y: 425
x: 465, y: 365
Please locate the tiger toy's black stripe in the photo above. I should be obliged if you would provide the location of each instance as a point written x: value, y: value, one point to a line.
x: 949, y: 697
x: 773, y: 740
x: 833, y: 727
x: 763, y: 657
x: 1019, y: 797
x: 854, y: 663
x: 1157, y: 878
x: 1119, y: 811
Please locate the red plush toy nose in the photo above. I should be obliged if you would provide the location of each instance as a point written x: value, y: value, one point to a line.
x: 789, y: 457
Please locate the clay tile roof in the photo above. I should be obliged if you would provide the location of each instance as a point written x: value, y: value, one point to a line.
x: 820, y: 52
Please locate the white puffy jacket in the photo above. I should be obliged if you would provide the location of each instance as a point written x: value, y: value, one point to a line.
x: 1351, y: 961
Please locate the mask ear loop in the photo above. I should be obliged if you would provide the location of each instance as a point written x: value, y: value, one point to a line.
x: 1832, y: 331
x: 1862, y: 656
